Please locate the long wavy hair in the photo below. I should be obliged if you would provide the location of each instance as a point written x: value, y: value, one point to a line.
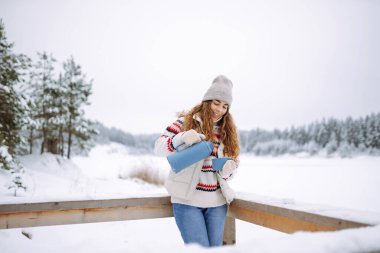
x: 228, y: 131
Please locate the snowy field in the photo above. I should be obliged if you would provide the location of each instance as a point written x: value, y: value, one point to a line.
x: 348, y: 183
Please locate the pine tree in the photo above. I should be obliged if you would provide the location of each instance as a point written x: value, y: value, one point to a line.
x: 348, y: 132
x: 323, y: 134
x: 17, y: 181
x: 332, y: 145
x: 31, y: 125
x: 78, y: 89
x: 62, y: 113
x: 45, y: 94
x: 300, y: 135
x: 12, y: 106
x: 377, y: 131
x: 371, y: 128
x: 361, y: 134
x: 12, y: 68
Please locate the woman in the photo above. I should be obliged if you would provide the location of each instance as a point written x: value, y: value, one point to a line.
x: 198, y: 193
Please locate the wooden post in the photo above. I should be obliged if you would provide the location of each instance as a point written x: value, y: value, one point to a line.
x: 229, y: 236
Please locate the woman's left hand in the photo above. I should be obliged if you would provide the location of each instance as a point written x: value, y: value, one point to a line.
x: 228, y: 168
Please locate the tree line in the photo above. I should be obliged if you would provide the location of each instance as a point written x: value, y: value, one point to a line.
x: 343, y: 137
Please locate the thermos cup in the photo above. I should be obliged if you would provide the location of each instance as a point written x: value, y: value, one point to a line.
x: 184, y: 158
x: 218, y: 163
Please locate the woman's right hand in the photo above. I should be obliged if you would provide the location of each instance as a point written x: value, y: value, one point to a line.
x: 191, y: 137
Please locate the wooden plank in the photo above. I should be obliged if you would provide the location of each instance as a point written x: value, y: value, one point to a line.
x: 286, y: 220
x: 81, y: 204
x: 78, y: 216
x: 76, y: 212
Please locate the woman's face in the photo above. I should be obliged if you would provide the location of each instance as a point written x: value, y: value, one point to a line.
x: 218, y: 109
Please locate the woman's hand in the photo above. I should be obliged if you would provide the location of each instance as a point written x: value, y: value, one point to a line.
x: 228, y: 168
x: 191, y: 137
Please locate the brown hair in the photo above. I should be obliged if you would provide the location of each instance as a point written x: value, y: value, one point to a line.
x: 228, y: 132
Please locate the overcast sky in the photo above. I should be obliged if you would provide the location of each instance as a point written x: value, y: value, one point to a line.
x: 291, y: 62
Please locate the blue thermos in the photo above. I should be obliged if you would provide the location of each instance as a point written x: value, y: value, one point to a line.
x: 184, y: 158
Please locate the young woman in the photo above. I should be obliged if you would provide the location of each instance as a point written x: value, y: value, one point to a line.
x: 198, y: 193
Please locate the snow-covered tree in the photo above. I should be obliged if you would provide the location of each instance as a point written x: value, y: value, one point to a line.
x: 300, y: 135
x: 84, y: 130
x: 377, y: 131
x: 62, y: 117
x: 345, y: 149
x: 17, y: 181
x: 332, y: 145
x: 11, y: 119
x: 77, y: 92
x: 45, y: 94
x: 323, y: 134
x: 372, y: 131
x: 32, y: 125
x: 12, y: 106
x: 347, y: 131
x: 56, y: 105
x: 361, y: 134
x: 12, y: 166
x: 311, y: 147
x: 341, y: 136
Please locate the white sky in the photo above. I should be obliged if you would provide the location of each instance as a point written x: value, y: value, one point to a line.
x: 291, y: 62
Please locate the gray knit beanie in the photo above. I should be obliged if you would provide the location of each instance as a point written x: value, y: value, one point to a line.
x: 221, y: 89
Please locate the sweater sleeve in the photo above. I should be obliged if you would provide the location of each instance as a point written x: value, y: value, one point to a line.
x: 170, y: 140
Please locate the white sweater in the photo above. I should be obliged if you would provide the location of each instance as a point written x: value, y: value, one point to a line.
x: 202, y: 182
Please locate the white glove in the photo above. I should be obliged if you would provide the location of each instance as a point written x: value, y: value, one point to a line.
x: 228, y: 168
x: 191, y: 137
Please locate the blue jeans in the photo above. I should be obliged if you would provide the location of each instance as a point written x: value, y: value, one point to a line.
x: 204, y: 226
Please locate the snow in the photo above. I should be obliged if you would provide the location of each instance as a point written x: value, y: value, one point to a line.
x: 147, y: 236
x: 4, y: 153
x: 100, y: 175
x: 347, y: 188
x: 367, y: 217
x: 350, y: 182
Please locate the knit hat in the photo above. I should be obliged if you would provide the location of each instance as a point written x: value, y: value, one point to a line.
x: 221, y: 89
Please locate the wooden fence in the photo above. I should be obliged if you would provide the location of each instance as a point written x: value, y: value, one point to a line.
x: 88, y: 211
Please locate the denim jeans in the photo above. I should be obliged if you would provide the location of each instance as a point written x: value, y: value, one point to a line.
x: 204, y: 226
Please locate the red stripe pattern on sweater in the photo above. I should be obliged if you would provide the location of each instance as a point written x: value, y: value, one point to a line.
x: 169, y: 145
x: 208, y: 187
x: 207, y: 168
x: 172, y: 131
x: 208, y: 181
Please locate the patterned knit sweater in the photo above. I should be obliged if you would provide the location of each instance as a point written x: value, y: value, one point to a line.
x: 208, y: 193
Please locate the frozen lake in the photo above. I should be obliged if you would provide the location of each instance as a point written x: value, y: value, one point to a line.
x: 350, y: 183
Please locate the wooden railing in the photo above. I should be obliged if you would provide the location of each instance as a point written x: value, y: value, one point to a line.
x: 88, y: 211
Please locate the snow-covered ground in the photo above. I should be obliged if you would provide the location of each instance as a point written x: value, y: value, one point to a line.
x: 349, y: 183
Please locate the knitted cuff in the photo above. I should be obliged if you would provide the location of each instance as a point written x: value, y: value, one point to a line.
x: 225, y: 175
x: 176, y: 140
